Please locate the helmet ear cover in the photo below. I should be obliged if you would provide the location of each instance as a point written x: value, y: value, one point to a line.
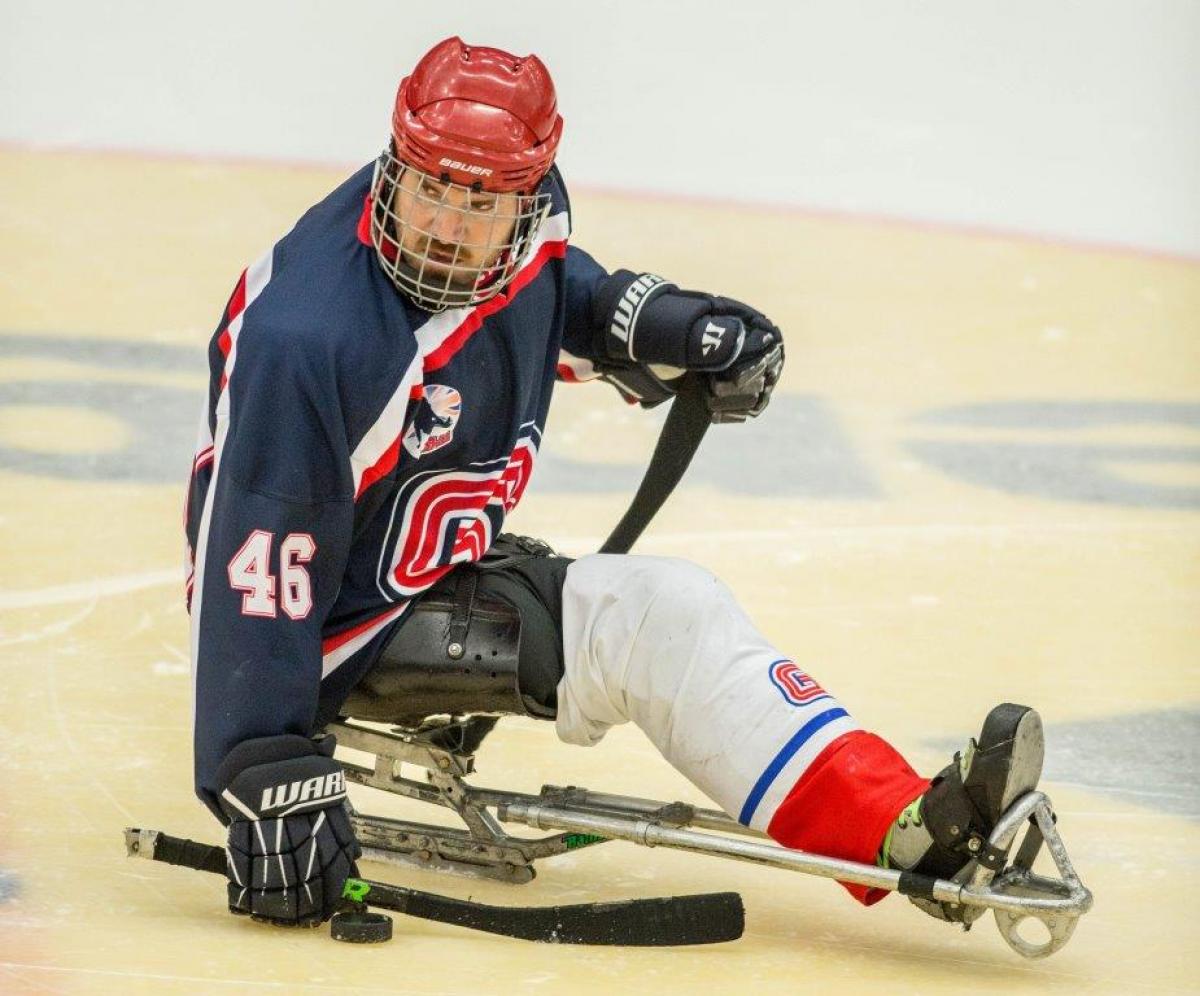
x: 478, y: 115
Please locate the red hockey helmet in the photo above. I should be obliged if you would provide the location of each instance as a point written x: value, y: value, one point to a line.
x: 478, y: 116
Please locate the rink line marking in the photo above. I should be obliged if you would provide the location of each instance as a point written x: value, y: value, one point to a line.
x: 56, y: 628
x: 67, y: 737
x: 123, y: 583
x: 120, y: 585
x: 178, y: 654
x: 84, y: 591
x: 291, y: 985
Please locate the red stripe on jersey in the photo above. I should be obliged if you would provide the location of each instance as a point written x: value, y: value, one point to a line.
x: 381, y: 468
x: 203, y: 459
x: 237, y: 303
x: 458, y: 338
x: 455, y: 341
x: 331, y: 643
x: 389, y: 458
x: 549, y: 250
x: 364, y: 223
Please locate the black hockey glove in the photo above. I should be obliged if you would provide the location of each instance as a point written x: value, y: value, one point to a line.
x: 644, y: 324
x: 290, y: 846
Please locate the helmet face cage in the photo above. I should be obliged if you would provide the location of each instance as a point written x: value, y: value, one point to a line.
x: 435, y: 274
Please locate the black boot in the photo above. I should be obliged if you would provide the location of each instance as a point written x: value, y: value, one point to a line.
x: 944, y: 833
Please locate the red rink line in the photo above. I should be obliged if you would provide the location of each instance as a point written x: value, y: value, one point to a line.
x: 881, y: 219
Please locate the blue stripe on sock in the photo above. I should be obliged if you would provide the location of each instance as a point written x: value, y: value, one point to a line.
x: 799, y: 739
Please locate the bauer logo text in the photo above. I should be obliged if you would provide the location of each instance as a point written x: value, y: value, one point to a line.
x: 465, y: 167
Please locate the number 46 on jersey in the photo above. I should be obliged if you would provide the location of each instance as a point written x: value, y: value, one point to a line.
x: 250, y: 573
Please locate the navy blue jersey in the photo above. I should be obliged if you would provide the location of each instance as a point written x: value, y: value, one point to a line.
x: 353, y: 449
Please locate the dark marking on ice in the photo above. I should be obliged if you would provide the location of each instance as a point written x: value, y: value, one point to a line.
x: 160, y: 431
x: 10, y: 885
x: 160, y: 418
x: 1151, y: 758
x: 798, y: 449
x: 123, y: 354
x: 1062, y: 470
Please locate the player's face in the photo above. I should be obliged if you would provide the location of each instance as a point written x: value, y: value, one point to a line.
x: 449, y: 231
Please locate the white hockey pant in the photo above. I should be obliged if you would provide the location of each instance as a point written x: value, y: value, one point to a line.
x: 662, y: 643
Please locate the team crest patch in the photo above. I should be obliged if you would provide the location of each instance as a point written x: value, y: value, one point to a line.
x: 433, y: 424
x: 795, y: 686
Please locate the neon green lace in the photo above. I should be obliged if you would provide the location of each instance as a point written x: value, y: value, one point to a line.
x: 910, y: 814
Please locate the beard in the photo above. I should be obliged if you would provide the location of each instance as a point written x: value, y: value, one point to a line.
x: 437, y: 265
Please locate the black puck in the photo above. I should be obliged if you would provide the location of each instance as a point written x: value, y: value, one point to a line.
x: 361, y: 927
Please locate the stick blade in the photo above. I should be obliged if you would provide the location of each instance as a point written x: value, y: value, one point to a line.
x: 708, y: 918
x: 700, y: 919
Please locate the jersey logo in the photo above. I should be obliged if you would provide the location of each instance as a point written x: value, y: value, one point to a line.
x: 434, y: 420
x: 794, y: 685
x: 442, y: 518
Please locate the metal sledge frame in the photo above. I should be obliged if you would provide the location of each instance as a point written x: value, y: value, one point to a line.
x: 584, y: 818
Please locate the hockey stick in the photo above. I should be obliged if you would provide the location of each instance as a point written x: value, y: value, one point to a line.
x: 686, y: 424
x: 708, y: 918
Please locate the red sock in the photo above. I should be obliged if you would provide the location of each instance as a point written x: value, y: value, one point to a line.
x: 844, y: 803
